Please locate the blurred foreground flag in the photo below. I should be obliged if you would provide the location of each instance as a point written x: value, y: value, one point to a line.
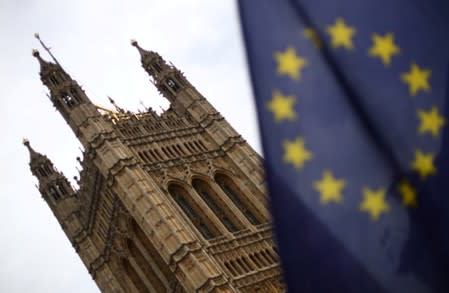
x: 352, y: 100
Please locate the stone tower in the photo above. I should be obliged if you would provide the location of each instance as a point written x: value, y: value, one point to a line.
x: 174, y: 202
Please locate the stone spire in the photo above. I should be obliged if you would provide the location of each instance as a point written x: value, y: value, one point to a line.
x: 33, y: 154
x: 144, y: 54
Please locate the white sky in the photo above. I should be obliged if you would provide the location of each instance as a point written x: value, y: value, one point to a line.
x: 91, y: 41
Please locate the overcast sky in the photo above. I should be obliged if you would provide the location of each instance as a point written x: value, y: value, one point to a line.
x: 91, y: 39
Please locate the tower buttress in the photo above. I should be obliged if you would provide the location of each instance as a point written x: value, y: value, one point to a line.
x: 53, y: 185
x: 63, y: 201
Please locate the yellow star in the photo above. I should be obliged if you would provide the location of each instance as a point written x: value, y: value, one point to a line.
x: 330, y: 188
x: 289, y: 63
x: 341, y: 34
x: 423, y: 164
x: 374, y: 202
x: 296, y: 153
x: 417, y: 79
x: 408, y: 193
x: 431, y: 121
x: 313, y: 36
x: 282, y: 107
x: 384, y: 48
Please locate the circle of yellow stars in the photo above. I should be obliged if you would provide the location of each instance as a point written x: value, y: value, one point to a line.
x: 417, y: 79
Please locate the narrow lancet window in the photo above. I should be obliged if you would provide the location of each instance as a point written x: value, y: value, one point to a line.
x: 68, y: 100
x: 157, y: 67
x: 234, y: 193
x: 75, y: 95
x: 201, y: 222
x: 54, y: 193
x: 54, y: 80
x: 172, y: 84
x: 217, y: 206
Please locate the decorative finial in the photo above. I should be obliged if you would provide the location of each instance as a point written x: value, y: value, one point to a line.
x: 134, y: 42
x: 35, y: 52
x: 117, y: 108
x: 33, y: 153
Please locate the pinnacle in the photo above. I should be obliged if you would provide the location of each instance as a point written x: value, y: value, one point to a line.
x: 42, y: 62
x: 35, y: 53
x: 143, y: 53
x: 33, y: 153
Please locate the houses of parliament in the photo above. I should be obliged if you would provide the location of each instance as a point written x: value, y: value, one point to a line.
x: 170, y: 202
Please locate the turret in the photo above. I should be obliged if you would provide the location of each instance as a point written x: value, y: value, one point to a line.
x: 65, y: 93
x: 183, y: 96
x: 53, y: 185
x: 167, y: 78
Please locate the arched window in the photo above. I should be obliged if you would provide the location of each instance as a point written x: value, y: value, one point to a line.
x: 54, y: 193
x: 185, y: 202
x: 61, y: 190
x: 193, y: 147
x: 188, y: 148
x: 202, y: 144
x: 172, y: 84
x: 159, y: 155
x: 179, y: 78
x: 42, y: 170
x: 197, y: 145
x: 75, y: 95
x: 54, y: 80
x: 180, y: 149
x: 234, y: 193
x: 68, y: 100
x: 165, y: 152
x: 47, y: 168
x: 157, y: 67
x: 216, y: 205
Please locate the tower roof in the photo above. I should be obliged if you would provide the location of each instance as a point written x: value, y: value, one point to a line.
x: 45, y: 65
x: 33, y: 154
x: 37, y: 160
x: 144, y: 53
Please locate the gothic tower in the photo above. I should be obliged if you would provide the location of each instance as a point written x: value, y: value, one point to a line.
x: 174, y: 202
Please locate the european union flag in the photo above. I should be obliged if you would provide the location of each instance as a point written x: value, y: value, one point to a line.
x: 352, y: 99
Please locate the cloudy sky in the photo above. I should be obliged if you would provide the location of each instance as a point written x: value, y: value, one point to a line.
x: 91, y: 41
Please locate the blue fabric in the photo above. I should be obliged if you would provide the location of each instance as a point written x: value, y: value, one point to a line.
x: 358, y: 118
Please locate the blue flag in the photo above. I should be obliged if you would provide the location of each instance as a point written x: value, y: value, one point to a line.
x: 352, y: 100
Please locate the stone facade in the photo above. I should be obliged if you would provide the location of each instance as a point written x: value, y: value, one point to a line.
x: 174, y: 202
